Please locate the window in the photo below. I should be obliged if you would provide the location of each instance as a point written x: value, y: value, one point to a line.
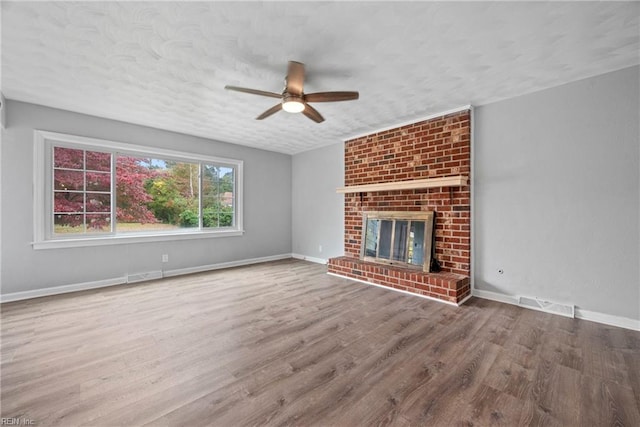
x: 402, y: 238
x: 92, y: 191
x: 81, y: 191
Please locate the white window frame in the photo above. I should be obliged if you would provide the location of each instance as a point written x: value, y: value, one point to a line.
x: 43, y: 192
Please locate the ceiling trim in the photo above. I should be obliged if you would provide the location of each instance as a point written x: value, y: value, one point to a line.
x: 409, y: 122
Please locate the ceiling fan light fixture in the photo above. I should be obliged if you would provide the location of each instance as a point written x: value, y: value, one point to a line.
x: 292, y: 104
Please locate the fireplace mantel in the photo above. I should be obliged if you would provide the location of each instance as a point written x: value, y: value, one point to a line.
x: 447, y: 181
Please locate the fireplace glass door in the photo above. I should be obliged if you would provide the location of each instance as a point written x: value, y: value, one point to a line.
x: 402, y: 238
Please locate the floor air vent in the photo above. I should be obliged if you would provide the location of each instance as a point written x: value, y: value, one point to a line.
x: 547, y: 306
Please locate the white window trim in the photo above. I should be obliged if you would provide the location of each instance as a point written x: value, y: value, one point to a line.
x: 43, y: 139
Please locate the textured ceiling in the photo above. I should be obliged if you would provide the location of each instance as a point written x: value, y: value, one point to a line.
x: 165, y: 64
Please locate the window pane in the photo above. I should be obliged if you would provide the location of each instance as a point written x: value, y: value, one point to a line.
x: 226, y: 218
x: 98, y: 223
x: 210, y: 181
x: 400, y: 241
x: 156, y: 194
x: 97, y: 161
x: 210, y: 214
x: 226, y: 198
x: 218, y: 198
x: 68, y: 180
x: 69, y: 158
x: 97, y: 181
x: 98, y: 202
x: 416, y: 243
x: 216, y: 213
x: 371, y: 237
x: 68, y: 202
x: 384, y: 251
x: 68, y: 224
x: 226, y: 178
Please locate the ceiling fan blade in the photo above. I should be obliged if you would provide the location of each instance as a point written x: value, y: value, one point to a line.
x: 331, y: 96
x: 312, y: 113
x: 295, y: 78
x: 270, y: 111
x: 254, y: 91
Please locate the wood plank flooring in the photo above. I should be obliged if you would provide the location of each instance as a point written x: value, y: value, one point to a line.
x: 282, y: 343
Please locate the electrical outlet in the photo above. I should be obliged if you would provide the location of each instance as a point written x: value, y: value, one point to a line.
x: 165, y: 257
x: 320, y: 248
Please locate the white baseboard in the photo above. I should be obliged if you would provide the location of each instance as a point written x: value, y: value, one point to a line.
x: 201, y: 268
x: 593, y: 316
x: 401, y: 291
x: 494, y: 296
x: 17, y: 296
x: 310, y: 258
x: 608, y: 319
x: 142, y: 277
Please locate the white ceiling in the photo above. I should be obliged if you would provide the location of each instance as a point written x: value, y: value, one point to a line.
x: 165, y: 64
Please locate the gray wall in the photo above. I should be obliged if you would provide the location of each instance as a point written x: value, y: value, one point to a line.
x: 557, y: 193
x: 318, y: 211
x: 267, y: 206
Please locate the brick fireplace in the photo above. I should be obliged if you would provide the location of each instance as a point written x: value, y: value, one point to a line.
x: 435, y: 148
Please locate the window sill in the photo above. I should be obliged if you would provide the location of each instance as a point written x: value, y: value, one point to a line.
x: 134, y: 238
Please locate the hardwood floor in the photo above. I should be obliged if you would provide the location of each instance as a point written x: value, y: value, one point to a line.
x: 282, y: 343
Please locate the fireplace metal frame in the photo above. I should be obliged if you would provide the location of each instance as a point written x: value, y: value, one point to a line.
x: 426, y: 216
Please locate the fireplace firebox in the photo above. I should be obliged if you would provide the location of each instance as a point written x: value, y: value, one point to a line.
x: 398, y: 238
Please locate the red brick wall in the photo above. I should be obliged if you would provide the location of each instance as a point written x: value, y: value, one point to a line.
x: 432, y: 148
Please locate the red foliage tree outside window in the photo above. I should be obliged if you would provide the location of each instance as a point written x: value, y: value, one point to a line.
x: 132, y: 174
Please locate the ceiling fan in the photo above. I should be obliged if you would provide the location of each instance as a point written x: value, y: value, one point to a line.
x: 293, y: 99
